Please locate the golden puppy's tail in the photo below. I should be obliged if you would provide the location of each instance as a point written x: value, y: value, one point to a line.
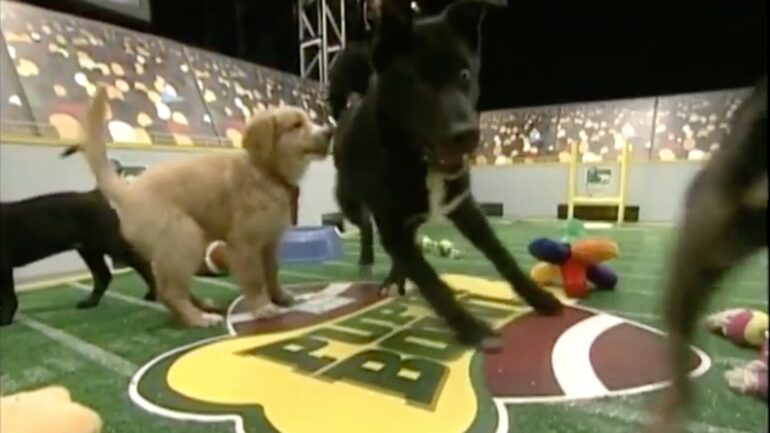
x: 95, y: 149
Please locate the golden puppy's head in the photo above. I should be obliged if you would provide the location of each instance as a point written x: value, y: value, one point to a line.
x: 286, y: 140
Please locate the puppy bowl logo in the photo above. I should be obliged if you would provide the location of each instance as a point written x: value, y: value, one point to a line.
x: 344, y: 359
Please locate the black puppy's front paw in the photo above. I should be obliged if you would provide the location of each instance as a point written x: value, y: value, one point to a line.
x: 150, y: 296
x: 87, y: 303
x: 5, y: 321
x: 473, y: 332
x: 395, y: 280
x: 387, y: 286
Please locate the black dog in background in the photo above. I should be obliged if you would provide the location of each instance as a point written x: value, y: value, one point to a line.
x: 401, y: 153
x: 725, y: 221
x: 39, y: 227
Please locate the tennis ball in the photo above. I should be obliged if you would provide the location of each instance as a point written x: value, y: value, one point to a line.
x: 446, y: 248
x: 427, y: 244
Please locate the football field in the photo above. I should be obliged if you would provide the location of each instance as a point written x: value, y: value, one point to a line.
x: 143, y: 373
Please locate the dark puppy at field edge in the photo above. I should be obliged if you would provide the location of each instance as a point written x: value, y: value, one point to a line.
x: 725, y: 221
x: 401, y: 153
x: 42, y: 226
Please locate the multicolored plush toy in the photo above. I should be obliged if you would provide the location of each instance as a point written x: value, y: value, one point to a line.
x: 577, y: 261
x: 748, y: 328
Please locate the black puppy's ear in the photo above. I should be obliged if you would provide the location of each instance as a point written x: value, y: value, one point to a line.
x: 394, y: 30
x: 465, y: 17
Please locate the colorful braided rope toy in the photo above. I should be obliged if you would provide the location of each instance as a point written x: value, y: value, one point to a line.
x: 747, y: 328
x: 578, y: 261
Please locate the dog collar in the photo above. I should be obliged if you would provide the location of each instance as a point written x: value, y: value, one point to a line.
x: 280, y: 179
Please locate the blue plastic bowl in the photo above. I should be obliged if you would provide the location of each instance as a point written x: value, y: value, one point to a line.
x: 310, y: 245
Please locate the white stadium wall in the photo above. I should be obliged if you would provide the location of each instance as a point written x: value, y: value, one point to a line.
x: 30, y: 170
x: 535, y: 190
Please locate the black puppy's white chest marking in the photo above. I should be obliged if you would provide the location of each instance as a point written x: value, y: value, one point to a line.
x: 443, y: 196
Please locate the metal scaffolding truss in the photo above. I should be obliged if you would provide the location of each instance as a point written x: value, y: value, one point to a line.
x: 322, y: 35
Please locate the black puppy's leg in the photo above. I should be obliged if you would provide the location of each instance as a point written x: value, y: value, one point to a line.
x: 366, y: 253
x: 9, y: 303
x: 396, y: 278
x: 715, y: 236
x: 356, y: 212
x: 101, y: 275
x: 400, y: 245
x: 472, y: 223
x: 144, y: 269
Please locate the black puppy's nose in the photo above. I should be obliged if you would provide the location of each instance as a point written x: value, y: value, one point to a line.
x: 465, y: 139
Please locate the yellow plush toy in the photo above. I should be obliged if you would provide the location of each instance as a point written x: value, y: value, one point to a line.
x: 46, y: 410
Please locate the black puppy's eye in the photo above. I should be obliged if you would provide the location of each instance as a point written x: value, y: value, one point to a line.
x: 465, y: 74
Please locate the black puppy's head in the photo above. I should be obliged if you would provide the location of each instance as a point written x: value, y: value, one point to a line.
x: 427, y: 78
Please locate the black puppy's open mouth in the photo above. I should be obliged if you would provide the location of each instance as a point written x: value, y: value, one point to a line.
x: 447, y: 161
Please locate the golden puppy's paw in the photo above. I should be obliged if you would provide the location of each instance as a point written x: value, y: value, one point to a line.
x: 212, y: 319
x: 267, y: 311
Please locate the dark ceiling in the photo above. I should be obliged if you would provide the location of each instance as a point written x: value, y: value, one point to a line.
x: 535, y: 52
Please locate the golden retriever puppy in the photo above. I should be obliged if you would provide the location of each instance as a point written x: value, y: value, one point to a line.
x: 242, y: 198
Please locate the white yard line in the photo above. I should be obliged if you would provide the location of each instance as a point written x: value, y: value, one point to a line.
x: 42, y: 284
x: 296, y: 274
x: 94, y: 353
x: 737, y: 300
x: 305, y: 275
x: 217, y: 282
x: 634, y: 315
x: 121, y: 297
x: 733, y: 361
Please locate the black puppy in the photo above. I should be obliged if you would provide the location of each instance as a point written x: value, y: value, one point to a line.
x: 725, y: 221
x: 402, y: 151
x: 39, y: 227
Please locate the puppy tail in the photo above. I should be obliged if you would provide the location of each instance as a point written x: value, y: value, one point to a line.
x: 70, y: 150
x: 95, y: 150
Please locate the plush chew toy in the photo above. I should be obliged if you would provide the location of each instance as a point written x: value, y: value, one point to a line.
x: 46, y: 410
x: 577, y: 261
x: 742, y: 326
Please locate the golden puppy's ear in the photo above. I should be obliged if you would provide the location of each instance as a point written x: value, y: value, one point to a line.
x: 260, y: 136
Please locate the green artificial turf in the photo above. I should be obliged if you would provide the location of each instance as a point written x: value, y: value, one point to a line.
x: 129, y: 334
